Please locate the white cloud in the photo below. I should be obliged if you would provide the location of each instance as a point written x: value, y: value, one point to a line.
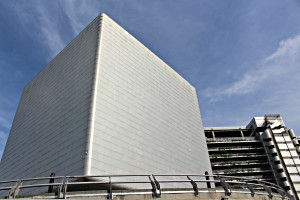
x: 43, y: 20
x: 6, y: 115
x: 79, y: 13
x: 4, y: 122
x: 281, y: 64
x: 287, y: 49
x: 3, y: 137
x: 40, y: 23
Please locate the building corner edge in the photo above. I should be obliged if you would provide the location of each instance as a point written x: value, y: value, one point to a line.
x: 92, y: 108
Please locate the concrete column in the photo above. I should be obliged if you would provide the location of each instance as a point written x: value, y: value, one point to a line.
x: 242, y: 134
x: 213, y: 134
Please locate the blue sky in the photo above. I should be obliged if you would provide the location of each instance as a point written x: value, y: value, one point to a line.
x: 242, y: 56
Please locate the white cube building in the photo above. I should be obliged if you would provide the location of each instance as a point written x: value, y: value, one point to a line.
x: 106, y: 105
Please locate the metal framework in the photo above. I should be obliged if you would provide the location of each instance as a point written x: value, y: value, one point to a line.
x: 60, y: 184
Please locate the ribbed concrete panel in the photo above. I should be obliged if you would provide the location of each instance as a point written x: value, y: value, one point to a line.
x: 49, y: 130
x: 147, y: 116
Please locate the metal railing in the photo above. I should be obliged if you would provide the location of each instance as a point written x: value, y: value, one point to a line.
x: 154, y: 181
x: 231, y: 139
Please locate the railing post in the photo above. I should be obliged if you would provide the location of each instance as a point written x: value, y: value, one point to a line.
x: 62, y: 189
x: 226, y: 187
x: 281, y: 193
x: 65, y: 188
x: 268, y: 190
x: 207, y: 178
x: 110, y: 195
x: 50, y: 188
x: 195, y: 186
x: 158, y: 191
x: 15, y: 190
x: 154, y: 190
x: 250, y: 187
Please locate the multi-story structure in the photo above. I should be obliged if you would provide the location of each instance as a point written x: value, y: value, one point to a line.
x: 106, y: 105
x: 234, y: 151
x: 264, y: 150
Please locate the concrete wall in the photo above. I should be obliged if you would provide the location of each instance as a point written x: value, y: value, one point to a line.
x: 147, y: 118
x: 49, y: 129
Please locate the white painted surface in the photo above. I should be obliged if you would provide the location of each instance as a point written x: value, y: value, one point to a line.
x: 146, y: 119
x: 49, y: 130
x: 147, y: 116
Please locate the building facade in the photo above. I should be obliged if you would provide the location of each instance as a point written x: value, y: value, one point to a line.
x: 263, y: 150
x: 106, y: 105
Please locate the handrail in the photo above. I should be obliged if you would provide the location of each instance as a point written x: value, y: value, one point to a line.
x: 109, y: 175
x: 151, y: 179
x: 230, y: 139
x: 219, y: 177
